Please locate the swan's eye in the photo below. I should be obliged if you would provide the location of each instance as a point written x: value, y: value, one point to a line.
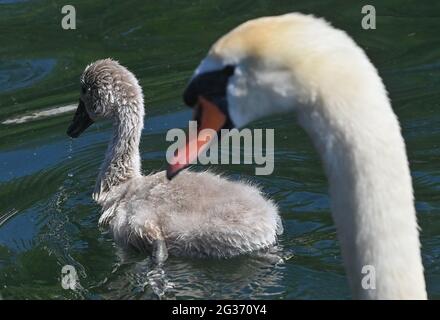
x: 209, y: 84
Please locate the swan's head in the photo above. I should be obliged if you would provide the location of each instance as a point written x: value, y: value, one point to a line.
x: 108, y: 90
x: 272, y: 65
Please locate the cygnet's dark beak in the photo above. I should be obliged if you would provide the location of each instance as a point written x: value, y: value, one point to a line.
x: 81, y: 121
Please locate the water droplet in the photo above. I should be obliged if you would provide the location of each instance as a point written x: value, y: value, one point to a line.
x: 70, y: 174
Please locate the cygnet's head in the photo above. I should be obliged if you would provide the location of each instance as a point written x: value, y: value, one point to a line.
x: 108, y: 90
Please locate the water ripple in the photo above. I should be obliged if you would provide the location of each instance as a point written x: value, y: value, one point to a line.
x: 16, y: 74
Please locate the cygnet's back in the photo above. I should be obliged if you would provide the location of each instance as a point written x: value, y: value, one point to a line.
x: 198, y: 214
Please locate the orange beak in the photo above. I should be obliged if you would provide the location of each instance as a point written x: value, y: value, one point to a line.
x: 209, y: 116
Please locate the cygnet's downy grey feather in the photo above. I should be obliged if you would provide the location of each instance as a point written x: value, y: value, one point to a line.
x: 197, y: 214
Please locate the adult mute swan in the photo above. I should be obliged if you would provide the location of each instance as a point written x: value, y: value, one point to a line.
x: 197, y: 214
x: 300, y: 63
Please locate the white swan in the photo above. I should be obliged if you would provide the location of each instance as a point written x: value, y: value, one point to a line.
x: 197, y: 214
x: 300, y: 63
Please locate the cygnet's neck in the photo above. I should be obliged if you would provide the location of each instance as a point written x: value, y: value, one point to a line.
x: 122, y: 160
x: 358, y: 138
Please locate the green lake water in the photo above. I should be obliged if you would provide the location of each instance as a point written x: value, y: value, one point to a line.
x: 47, y: 216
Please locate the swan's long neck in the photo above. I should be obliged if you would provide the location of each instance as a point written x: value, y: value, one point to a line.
x: 371, y: 194
x: 122, y: 161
